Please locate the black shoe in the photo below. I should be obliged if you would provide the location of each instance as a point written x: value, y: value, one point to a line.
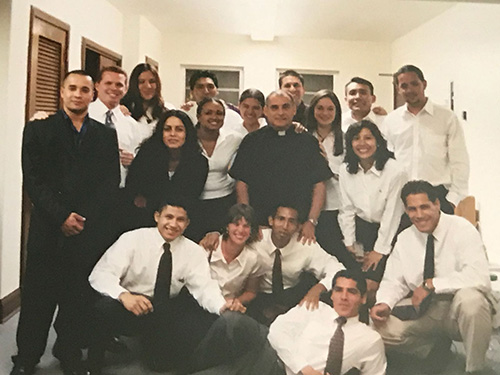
x: 20, y: 369
x: 116, y: 346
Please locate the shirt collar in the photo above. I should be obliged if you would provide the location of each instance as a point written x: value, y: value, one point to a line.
x: 441, y: 228
x: 428, y: 107
x: 102, y: 109
x: 373, y: 170
x: 159, y: 240
x: 68, y: 120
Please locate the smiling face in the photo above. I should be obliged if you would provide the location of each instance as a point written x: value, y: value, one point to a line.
x: 204, y: 88
x: 294, y: 87
x: 250, y: 110
x: 423, y: 213
x: 364, y: 145
x: 346, y: 297
x: 239, y: 232
x: 324, y: 111
x: 284, y: 224
x: 171, y: 222
x: 147, y: 85
x: 111, y: 88
x: 212, y: 116
x: 279, y: 111
x: 174, y: 133
x: 77, y: 93
x: 359, y: 98
x: 412, y: 89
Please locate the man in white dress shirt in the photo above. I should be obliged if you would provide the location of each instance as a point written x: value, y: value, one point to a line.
x: 141, y: 296
x: 302, y: 338
x: 428, y: 139
x: 441, y: 261
x: 111, y: 86
x: 360, y: 96
x: 282, y: 289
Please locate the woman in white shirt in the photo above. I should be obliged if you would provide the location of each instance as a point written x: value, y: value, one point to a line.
x: 219, y: 146
x: 143, y: 98
x: 234, y: 264
x: 323, y: 120
x: 370, y: 185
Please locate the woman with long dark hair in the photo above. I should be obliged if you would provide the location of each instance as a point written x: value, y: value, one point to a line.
x: 167, y: 163
x: 323, y: 120
x: 143, y: 98
x: 370, y: 185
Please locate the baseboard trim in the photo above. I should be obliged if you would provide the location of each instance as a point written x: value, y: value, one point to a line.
x: 9, y: 305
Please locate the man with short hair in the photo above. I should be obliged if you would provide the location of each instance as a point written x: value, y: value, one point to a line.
x: 441, y: 261
x: 293, y: 83
x: 157, y: 283
x: 275, y: 164
x: 204, y: 84
x: 330, y: 340
x: 428, y: 139
x: 111, y: 86
x: 360, y: 96
x: 71, y: 174
x: 284, y: 261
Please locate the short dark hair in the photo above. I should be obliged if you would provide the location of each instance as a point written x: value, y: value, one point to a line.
x: 242, y: 211
x: 280, y: 93
x: 361, y: 81
x: 409, y: 69
x: 355, y: 275
x: 79, y: 72
x: 381, y: 155
x: 176, y: 201
x: 253, y: 94
x: 419, y: 187
x: 285, y: 205
x: 202, y: 74
x: 209, y: 100
x: 112, y: 69
x: 293, y: 73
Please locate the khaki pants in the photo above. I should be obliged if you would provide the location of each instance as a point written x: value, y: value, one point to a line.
x: 466, y: 317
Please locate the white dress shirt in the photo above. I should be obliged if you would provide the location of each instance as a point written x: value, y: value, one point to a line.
x: 459, y: 261
x: 301, y: 337
x: 219, y: 184
x: 431, y: 146
x: 332, y: 201
x: 374, y: 196
x: 295, y: 259
x: 348, y: 120
x: 239, y: 128
x: 131, y: 264
x: 129, y: 132
x: 233, y: 277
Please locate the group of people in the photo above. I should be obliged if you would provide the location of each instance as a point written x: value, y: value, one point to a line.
x: 197, y: 228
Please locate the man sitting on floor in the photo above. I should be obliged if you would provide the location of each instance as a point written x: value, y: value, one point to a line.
x: 330, y: 340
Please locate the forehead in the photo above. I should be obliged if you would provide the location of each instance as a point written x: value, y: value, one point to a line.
x: 357, y: 86
x: 175, y: 211
x: 287, y: 212
x: 290, y: 80
x: 276, y: 99
x: 251, y: 102
x: 174, y: 120
x: 364, y: 132
x: 325, y: 100
x: 78, y: 80
x: 419, y: 199
x: 147, y: 74
x: 204, y: 81
x: 212, y: 105
x: 114, y: 77
x: 408, y: 77
x: 346, y: 283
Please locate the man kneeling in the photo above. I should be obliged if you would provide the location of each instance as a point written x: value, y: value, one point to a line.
x: 142, y: 278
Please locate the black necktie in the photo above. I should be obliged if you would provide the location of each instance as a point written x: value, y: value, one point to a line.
x: 277, y: 274
x: 163, y: 277
x: 336, y: 350
x: 429, y: 258
x: 109, y: 119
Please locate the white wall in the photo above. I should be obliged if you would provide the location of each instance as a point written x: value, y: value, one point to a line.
x: 260, y: 60
x: 463, y: 45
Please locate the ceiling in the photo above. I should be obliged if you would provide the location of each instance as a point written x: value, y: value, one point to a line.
x: 368, y: 20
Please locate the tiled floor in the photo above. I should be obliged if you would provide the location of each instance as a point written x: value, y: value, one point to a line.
x: 129, y: 365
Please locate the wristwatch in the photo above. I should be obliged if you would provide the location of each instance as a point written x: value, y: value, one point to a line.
x: 427, y: 288
x: 313, y: 221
